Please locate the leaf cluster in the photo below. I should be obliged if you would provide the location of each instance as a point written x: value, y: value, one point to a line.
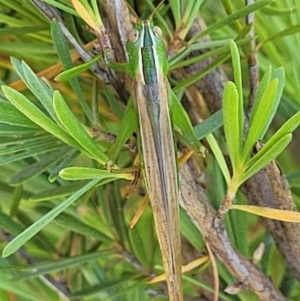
x: 66, y: 213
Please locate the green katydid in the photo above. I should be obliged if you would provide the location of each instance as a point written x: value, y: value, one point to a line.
x: 148, y: 68
x: 159, y: 112
x: 152, y: 97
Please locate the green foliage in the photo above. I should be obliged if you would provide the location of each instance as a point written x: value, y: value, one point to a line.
x: 65, y: 215
x: 183, y: 125
x: 264, y: 108
x: 21, y: 239
x: 63, y: 53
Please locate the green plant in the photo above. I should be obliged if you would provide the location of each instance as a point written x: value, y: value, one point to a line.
x: 66, y: 180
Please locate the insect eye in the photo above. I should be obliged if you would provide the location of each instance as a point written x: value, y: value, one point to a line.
x: 133, y: 36
x: 157, y: 31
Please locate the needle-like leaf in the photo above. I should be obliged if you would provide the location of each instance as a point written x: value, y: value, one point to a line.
x: 231, y: 120
x: 75, y: 129
x: 22, y: 238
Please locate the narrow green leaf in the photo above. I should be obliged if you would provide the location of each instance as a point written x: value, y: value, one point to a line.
x: 120, y: 67
x: 176, y: 9
x: 213, y: 48
x: 43, y: 93
x: 189, y: 230
x: 238, y: 231
x: 22, y: 238
x: 258, y: 163
x: 141, y: 239
x: 189, y: 13
x: 292, y: 29
x: 196, y: 77
x: 10, y: 115
x: 25, y: 106
x: 115, y: 210
x: 70, y: 156
x: 219, y: 156
x: 236, y: 64
x: 280, y: 75
x: 274, y: 10
x: 38, y: 167
x: 84, y: 173
x: 209, y: 125
x: 97, y: 16
x: 206, y: 287
x: 30, y: 50
x: 75, y: 129
x: 91, y: 216
x: 19, y: 68
x: 15, y: 145
x: 16, y: 199
x: 32, y: 151
x: 288, y: 127
x: 64, y: 55
x: 231, y: 120
x: 24, y: 292
x: 263, y: 85
x: 231, y: 18
x: 129, y: 124
x: 78, y: 227
x: 183, y: 124
x: 11, y: 31
x: 261, y: 118
x: 61, y: 6
x: 109, y: 284
x: 57, y: 192
x: 7, y: 223
x: 59, y: 264
x: 75, y: 71
x: 10, y: 130
x: 114, y: 102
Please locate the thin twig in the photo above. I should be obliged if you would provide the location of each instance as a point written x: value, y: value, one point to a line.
x: 194, y: 201
x: 269, y: 188
x: 52, y: 13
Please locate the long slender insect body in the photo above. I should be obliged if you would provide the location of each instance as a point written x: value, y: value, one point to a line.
x: 148, y: 63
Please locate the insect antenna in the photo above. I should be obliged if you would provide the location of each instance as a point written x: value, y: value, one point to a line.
x: 156, y: 9
x: 132, y: 10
